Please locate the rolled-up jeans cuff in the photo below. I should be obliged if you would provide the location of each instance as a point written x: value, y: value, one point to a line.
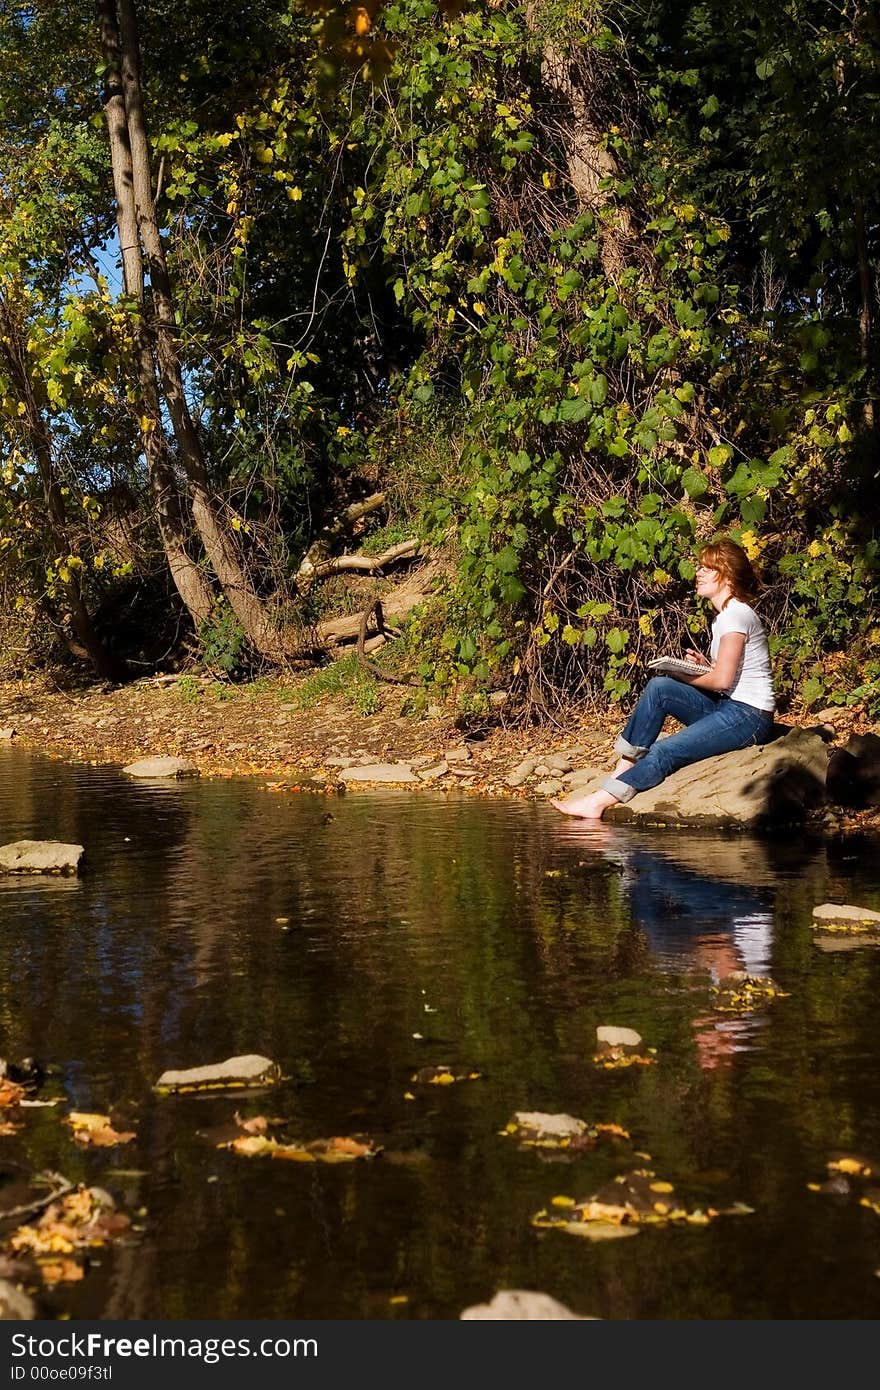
x: 629, y: 750
x: 622, y: 791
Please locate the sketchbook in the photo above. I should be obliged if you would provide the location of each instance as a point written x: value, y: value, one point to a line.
x: 677, y: 666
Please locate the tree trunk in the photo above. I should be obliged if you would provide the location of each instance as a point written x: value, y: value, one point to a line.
x: 248, y: 607
x: 191, y: 584
x: 589, y: 161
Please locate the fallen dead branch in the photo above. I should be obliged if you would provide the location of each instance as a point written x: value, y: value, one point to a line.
x: 375, y: 608
x: 61, y: 1189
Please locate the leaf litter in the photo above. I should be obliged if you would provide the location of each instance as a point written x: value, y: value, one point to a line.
x: 627, y: 1204
x: 562, y: 1133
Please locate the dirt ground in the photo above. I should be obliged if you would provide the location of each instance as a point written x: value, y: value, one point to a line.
x: 271, y: 730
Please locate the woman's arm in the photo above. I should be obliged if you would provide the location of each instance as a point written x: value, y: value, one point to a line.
x: 722, y: 675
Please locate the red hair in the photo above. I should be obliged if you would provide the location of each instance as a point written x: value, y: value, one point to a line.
x: 733, y: 564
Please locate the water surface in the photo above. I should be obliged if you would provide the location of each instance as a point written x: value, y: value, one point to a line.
x: 428, y: 930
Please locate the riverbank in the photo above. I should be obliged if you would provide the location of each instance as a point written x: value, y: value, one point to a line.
x: 300, y: 739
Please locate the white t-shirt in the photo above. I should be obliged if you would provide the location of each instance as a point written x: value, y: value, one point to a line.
x: 753, y: 682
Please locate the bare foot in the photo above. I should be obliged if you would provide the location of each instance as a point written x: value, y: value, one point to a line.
x: 591, y: 807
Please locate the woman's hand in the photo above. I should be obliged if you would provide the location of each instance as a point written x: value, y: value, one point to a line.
x: 691, y: 655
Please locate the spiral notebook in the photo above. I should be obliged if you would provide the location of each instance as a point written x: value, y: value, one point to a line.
x: 677, y: 666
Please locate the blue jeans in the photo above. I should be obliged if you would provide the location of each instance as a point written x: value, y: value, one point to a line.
x: 714, y: 724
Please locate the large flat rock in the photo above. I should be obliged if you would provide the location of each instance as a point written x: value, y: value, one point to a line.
x: 249, y: 1070
x: 161, y: 767
x: 776, y: 784
x: 40, y: 857
x: 394, y: 774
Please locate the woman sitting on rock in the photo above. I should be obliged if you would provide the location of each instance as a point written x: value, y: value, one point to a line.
x: 729, y: 706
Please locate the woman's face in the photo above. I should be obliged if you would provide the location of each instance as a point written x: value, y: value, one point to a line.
x: 709, y: 582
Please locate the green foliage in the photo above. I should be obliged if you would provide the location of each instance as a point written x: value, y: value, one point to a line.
x: 189, y: 689
x: 345, y: 677
x: 568, y: 390
x: 222, y: 641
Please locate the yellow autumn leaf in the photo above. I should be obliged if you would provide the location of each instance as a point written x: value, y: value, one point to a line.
x: 849, y: 1165
x: 84, y: 1120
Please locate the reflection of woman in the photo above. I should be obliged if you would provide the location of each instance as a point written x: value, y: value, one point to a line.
x: 729, y: 705
x: 719, y: 922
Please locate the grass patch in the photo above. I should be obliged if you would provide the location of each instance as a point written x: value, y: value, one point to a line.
x: 345, y: 677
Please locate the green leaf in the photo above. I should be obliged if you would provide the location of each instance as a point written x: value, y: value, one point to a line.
x: 694, y: 483
x: 574, y: 409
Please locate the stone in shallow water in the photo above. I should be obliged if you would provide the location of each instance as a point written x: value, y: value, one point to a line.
x: 40, y: 857
x: 558, y: 1126
x: 845, y: 915
x: 393, y: 773
x: 161, y: 767
x: 608, y: 1036
x: 250, y: 1070
x: 521, y: 1305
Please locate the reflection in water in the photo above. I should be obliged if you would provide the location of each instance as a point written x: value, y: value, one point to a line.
x: 212, y: 919
x: 697, y: 910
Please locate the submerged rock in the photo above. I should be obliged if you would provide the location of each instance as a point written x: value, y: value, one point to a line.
x: 778, y: 783
x: 250, y: 1070
x: 40, y: 857
x: 162, y: 767
x: 521, y: 1305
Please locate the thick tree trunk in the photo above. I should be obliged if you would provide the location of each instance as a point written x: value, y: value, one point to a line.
x: 248, y: 607
x: 590, y: 162
x: 191, y: 584
x: 88, y: 643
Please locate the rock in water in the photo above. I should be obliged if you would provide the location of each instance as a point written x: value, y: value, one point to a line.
x: 161, y: 767
x: 40, y: 857
x: 521, y: 1305
x: 627, y: 1038
x: 250, y: 1070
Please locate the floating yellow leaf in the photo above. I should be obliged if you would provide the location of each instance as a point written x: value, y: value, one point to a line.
x: 562, y: 1201
x: 850, y: 1165
x: 61, y: 1271
x: 96, y: 1130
